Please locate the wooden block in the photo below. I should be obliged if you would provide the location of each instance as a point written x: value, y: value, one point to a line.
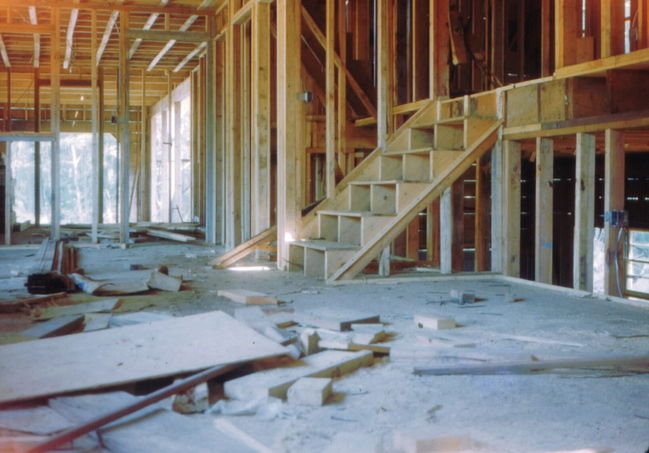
x: 420, y: 442
x: 434, y: 322
x: 310, y: 391
x: 78, y: 309
x: 463, y: 297
x: 277, y: 381
x: 164, y: 282
x: 105, y: 358
x: 55, y: 327
x: 341, y: 320
x: 309, y: 339
x: 244, y: 296
x: 96, y: 321
x: 169, y: 235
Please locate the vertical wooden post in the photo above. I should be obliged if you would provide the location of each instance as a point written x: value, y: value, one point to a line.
x: 543, y: 243
x: 584, y: 213
x: 439, y: 69
x: 511, y: 208
x: 97, y: 166
x: 383, y: 107
x: 497, y: 33
x: 260, y: 114
x: 567, y: 17
x: 288, y: 115
x: 171, y: 187
x: 125, y: 141
x: 330, y: 100
x: 611, y: 28
x: 212, y: 227
x: 613, y: 200
x: 55, y: 121
x: 37, y: 149
x: 432, y: 232
x: 245, y: 150
x: 446, y: 232
x: 482, y: 208
x: 546, y: 31
x: 144, y: 193
x: 9, y: 183
x: 233, y: 133
x: 100, y: 145
x: 342, y: 87
x: 452, y: 228
x: 497, y: 207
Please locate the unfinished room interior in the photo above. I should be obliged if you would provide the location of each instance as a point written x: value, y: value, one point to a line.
x: 365, y: 226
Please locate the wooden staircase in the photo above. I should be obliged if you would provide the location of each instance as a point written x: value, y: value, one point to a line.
x: 382, y: 195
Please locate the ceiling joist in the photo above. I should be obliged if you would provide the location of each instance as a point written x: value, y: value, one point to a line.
x: 69, y: 37
x: 188, y: 23
x: 33, y: 19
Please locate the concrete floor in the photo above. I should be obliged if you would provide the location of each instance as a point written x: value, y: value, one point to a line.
x: 505, y: 413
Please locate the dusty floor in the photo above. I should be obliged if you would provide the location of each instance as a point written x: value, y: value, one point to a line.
x: 505, y: 413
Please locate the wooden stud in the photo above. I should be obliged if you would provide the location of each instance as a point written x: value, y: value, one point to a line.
x: 106, y: 36
x: 260, y: 114
x: 100, y: 143
x: 511, y: 208
x: 433, y: 232
x: 330, y: 96
x: 482, y: 209
x: 446, y: 232
x: 97, y: 165
x: 288, y: 115
x: 125, y: 138
x: 33, y: 19
x: 213, y: 226
x: 543, y: 218
x: 341, y: 103
x: 584, y: 213
x: 611, y: 28
x: 439, y: 70
x: 546, y: 30
x: 497, y: 207
x: 613, y: 200
x: 383, y: 100
x: 37, y: 150
x: 55, y: 122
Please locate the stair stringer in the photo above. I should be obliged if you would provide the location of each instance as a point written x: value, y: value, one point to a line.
x: 444, y: 180
x: 309, y: 222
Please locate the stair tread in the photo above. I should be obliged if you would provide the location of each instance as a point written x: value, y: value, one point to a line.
x: 379, y: 182
x: 420, y: 151
x: 325, y: 245
x: 352, y: 213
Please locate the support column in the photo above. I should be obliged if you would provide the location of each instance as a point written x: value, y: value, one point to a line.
x: 8, y: 192
x: 543, y: 243
x: 383, y: 107
x: 94, y: 113
x: 439, y: 70
x: 261, y: 115
x: 288, y: 116
x: 567, y: 17
x: 582, y: 262
x: 212, y: 218
x: 511, y: 208
x: 55, y: 121
x: 125, y: 139
x: 37, y: 149
x: 144, y: 192
x: 613, y: 200
x: 330, y: 100
x: 497, y: 207
x: 482, y: 209
x: 446, y: 232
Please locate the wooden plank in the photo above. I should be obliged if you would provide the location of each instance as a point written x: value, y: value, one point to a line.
x: 97, y: 165
x: 245, y: 248
x: 183, y: 28
x: 247, y: 297
x: 613, y: 200
x: 582, y: 275
x: 543, y: 218
x: 55, y: 127
x: 546, y: 38
x: 110, y: 24
x: 54, y: 327
x: 125, y: 129
x: 439, y: 35
x: 277, y: 381
x: 613, y: 363
x: 77, y: 309
x: 70, y: 363
x: 482, y: 213
x: 183, y: 36
x: 288, y: 115
x: 261, y: 116
x: 330, y: 99
x: 340, y: 320
x: 446, y: 232
x: 169, y: 235
x: 69, y: 37
x: 511, y: 226
x: 611, y: 28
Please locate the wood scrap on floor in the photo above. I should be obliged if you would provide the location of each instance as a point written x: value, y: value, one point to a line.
x: 310, y: 391
x: 100, y: 306
x: 434, y: 322
x: 26, y: 303
x: 261, y: 241
x: 630, y: 364
x: 96, y: 321
x: 276, y: 382
x: 54, y: 327
x: 110, y: 287
x: 244, y: 296
x: 129, y: 319
x: 341, y: 320
x: 164, y: 282
x: 58, y: 365
x: 169, y: 235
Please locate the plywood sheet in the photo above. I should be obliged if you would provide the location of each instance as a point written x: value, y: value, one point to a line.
x: 110, y: 357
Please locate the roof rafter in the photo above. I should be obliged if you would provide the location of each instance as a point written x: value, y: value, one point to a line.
x: 147, y: 26
x: 3, y: 52
x: 69, y: 37
x: 188, y: 23
x: 106, y: 36
x: 190, y: 55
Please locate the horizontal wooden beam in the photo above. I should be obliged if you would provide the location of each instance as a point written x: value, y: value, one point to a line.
x: 244, y: 14
x: 26, y: 28
x: 162, y: 35
x: 73, y: 83
x: 26, y: 136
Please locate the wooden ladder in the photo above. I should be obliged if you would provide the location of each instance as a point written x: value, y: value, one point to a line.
x: 378, y: 200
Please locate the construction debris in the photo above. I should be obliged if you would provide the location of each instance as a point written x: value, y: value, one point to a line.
x: 463, y: 297
x: 340, y: 320
x: 26, y: 303
x: 33, y: 419
x: 164, y: 282
x: 110, y: 357
x: 169, y: 235
x: 310, y: 391
x: 244, y: 296
x: 100, y: 306
x: 434, y: 322
x: 54, y: 327
x: 414, y: 441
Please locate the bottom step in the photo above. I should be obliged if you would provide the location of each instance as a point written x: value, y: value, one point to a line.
x: 319, y: 259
